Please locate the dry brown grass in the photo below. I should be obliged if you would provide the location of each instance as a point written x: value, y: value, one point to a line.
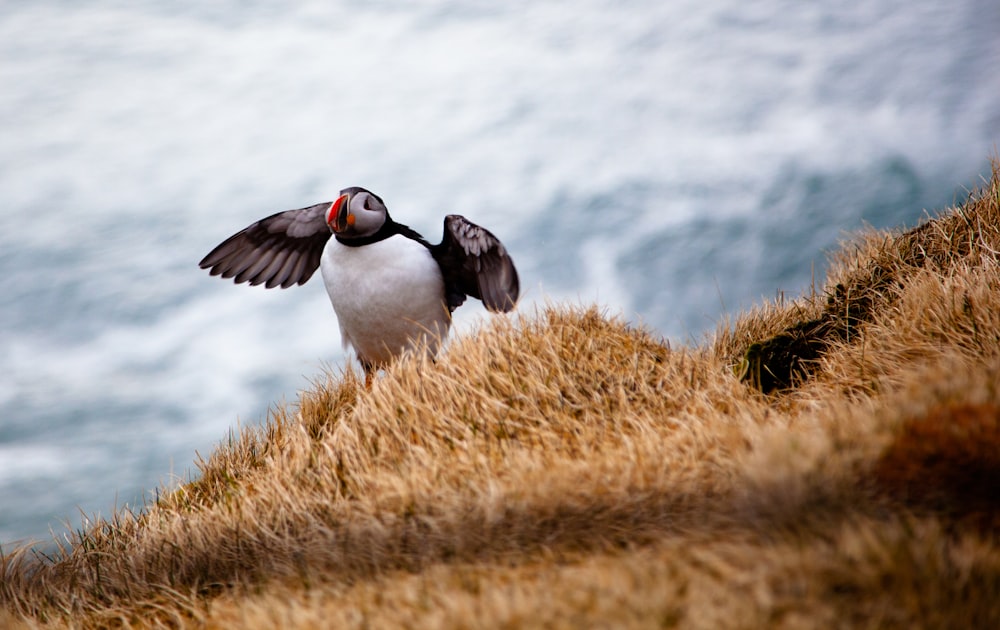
x: 564, y: 469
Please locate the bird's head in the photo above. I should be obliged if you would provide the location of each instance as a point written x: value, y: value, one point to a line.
x: 356, y: 213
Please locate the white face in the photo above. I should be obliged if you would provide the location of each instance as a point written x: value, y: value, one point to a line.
x: 368, y: 211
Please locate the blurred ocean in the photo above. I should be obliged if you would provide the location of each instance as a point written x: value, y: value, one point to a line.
x: 673, y: 161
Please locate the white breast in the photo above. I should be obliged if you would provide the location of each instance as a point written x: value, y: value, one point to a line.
x: 387, y: 295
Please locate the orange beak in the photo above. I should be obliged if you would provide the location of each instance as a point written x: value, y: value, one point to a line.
x: 339, y: 216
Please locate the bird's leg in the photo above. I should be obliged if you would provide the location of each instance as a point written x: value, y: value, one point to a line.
x: 370, y: 370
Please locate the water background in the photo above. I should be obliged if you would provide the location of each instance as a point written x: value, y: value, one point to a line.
x: 673, y: 161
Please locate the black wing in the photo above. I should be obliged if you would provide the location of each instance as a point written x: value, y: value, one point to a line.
x: 474, y: 262
x: 281, y: 250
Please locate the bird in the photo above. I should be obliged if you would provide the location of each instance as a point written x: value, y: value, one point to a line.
x: 391, y: 289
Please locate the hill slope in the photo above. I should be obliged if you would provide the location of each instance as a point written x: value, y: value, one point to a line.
x: 831, y: 461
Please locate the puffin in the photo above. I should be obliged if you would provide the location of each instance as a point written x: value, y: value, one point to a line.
x: 391, y: 289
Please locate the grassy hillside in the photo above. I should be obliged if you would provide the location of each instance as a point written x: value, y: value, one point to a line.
x: 830, y: 461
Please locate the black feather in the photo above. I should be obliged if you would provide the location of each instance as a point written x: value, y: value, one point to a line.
x: 281, y: 250
x: 475, y: 263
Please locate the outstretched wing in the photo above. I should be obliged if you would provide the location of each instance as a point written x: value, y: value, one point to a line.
x: 281, y: 250
x: 474, y: 262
